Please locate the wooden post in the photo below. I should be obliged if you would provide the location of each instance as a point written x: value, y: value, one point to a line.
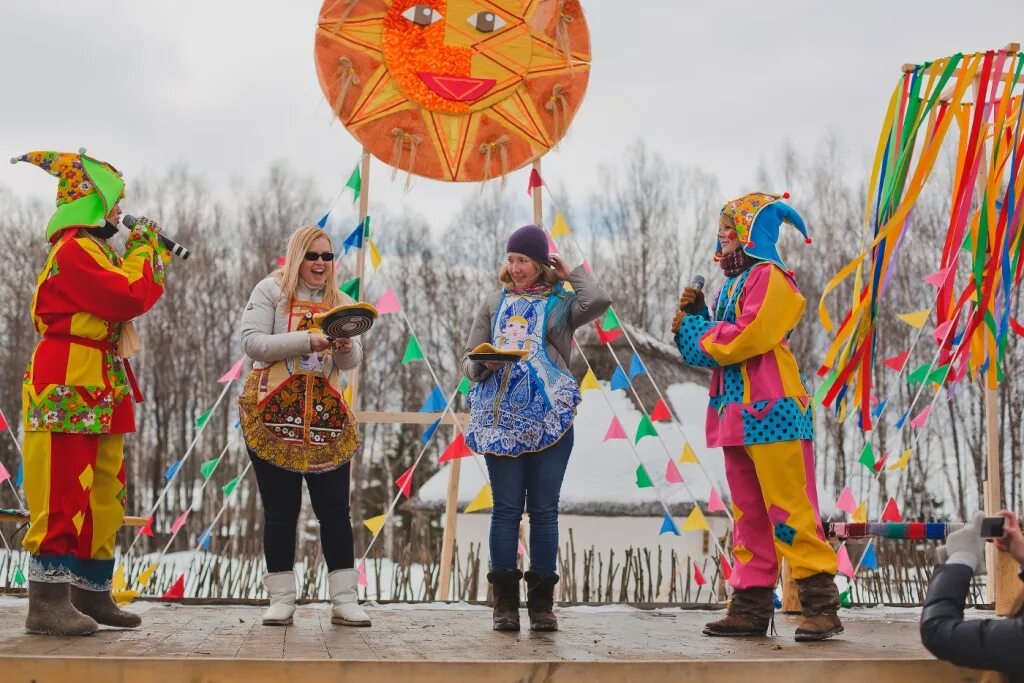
x: 451, y: 510
x: 364, y: 205
x: 790, y: 594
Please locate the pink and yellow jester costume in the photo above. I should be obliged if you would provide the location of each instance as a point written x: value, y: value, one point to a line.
x: 760, y: 414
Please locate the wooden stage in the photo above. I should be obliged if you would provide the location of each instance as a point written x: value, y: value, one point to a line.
x: 446, y: 644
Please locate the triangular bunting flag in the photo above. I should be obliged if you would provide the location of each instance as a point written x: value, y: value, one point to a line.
x: 375, y: 259
x: 435, y: 402
x: 881, y: 462
x: 179, y: 522
x: 869, y: 560
x: 552, y: 247
x: 843, y: 560
x: 19, y: 478
x: 374, y: 524
x: 901, y: 464
x: 117, y: 581
x: 361, y: 581
x: 281, y: 260
x: 147, y: 528
x: 643, y: 480
x: 234, y: 373
x: 921, y: 418
x: 203, y: 419
x: 636, y: 366
x: 891, y: 513
x: 4, y: 474
x: 696, y: 521
x: 19, y: 577
x: 355, y: 183
x: 897, y: 362
x: 615, y: 430
x: 861, y: 513
x: 698, y: 577
x: 942, y: 331
x: 619, y: 380
x: 688, y: 455
x: 589, y: 381
x: 176, y: 591
x: 559, y: 228
x: 429, y: 434
x: 902, y: 420
x: 915, y: 319
x: 534, y: 182
x: 645, y: 428
x: 388, y: 303
x: 846, y: 502
x: 347, y: 395
x: 230, y: 487
x: 464, y: 386
x: 726, y: 567
x: 404, y: 482
x: 456, y: 449
x: 124, y: 597
x: 3, y: 422
x: 483, y: 500
x: 350, y: 287
x: 844, y: 599
x: 208, y: 467
x: 146, y: 575
x: 919, y: 374
x: 611, y: 321
x: 672, y: 474
x: 204, y: 539
x: 867, y: 457
x: 661, y: 412
x: 938, y: 278
x: 354, y: 239
x: 715, y: 503
x: 322, y: 223
x: 412, y: 351
x: 668, y: 526
x: 607, y: 337
x: 939, y: 374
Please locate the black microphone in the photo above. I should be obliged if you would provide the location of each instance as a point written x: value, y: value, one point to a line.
x: 174, y: 247
x: 696, y: 283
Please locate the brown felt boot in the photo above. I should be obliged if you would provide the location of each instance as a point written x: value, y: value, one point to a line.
x: 819, y: 600
x: 505, y: 583
x: 100, y: 606
x: 750, y: 613
x: 540, y: 601
x: 51, y: 613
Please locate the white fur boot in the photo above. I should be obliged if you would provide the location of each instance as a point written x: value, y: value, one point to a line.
x: 281, y: 587
x: 345, y: 607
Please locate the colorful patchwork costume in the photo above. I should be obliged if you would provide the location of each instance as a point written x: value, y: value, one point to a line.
x: 77, y: 392
x: 759, y: 412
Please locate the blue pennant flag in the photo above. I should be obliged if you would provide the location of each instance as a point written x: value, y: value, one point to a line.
x: 355, y: 239
x: 323, y: 221
x: 238, y: 424
x: 958, y: 338
x: 172, y: 469
x: 877, y: 410
x: 776, y: 600
x: 427, y: 435
x: 903, y: 418
x: 204, y: 540
x: 19, y: 478
x: 435, y: 402
x: 636, y: 366
x: 668, y: 526
x: 619, y: 380
x: 869, y: 560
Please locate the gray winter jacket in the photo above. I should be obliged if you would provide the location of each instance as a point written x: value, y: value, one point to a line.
x: 590, y: 303
x: 264, y: 328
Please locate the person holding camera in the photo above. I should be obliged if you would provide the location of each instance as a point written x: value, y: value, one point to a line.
x: 980, y: 643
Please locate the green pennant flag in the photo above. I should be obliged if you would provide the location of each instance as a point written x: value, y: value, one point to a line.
x: 919, y: 374
x: 412, y: 351
x: 845, y: 600
x: 464, y: 386
x: 611, y: 321
x: 366, y: 227
x: 230, y: 487
x: 203, y: 419
x: 355, y: 182
x: 207, y: 468
x: 867, y: 457
x: 938, y: 375
x: 351, y: 288
x: 19, y: 577
x: 645, y: 428
x: 643, y: 480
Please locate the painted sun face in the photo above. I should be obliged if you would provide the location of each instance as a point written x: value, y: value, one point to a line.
x: 454, y: 89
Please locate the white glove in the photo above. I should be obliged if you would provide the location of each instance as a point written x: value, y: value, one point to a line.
x: 966, y: 546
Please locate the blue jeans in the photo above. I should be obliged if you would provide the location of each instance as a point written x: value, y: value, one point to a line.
x: 531, y: 481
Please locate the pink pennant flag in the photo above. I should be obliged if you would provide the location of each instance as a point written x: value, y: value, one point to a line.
x: 4, y: 474
x: 521, y: 549
x: 938, y: 278
x: 404, y: 482
x: 586, y: 267
x: 388, y: 303
x: 615, y: 430
x: 698, y: 577
x: 726, y: 568
x: 847, y: 503
x: 280, y: 261
x: 672, y: 475
x: 552, y: 247
x: 179, y: 522
x: 845, y: 566
x: 362, y: 574
x: 715, y: 503
x: 921, y: 418
x: 891, y: 513
x: 234, y: 373
x: 3, y: 422
x: 897, y: 362
x: 942, y: 331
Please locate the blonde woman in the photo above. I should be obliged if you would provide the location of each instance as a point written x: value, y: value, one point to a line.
x: 296, y: 422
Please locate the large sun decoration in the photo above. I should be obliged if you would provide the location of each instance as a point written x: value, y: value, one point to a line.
x: 462, y: 90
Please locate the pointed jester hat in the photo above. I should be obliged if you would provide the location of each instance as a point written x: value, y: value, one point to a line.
x: 757, y: 218
x: 86, y: 192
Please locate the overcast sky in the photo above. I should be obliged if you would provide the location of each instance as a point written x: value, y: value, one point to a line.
x: 229, y: 87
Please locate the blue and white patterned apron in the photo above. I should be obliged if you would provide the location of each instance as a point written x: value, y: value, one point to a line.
x: 527, y: 406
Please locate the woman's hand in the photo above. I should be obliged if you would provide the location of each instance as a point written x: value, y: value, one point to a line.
x: 677, y: 321
x: 493, y: 367
x: 318, y: 342
x: 692, y: 299
x: 1013, y: 540
x: 558, y: 265
x: 342, y: 344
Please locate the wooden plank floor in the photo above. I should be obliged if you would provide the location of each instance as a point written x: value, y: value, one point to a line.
x: 188, y: 636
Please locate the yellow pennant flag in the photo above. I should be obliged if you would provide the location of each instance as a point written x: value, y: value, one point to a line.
x: 124, y: 597
x: 483, y: 501
x: 696, y: 521
x: 589, y: 381
x: 901, y: 464
x: 374, y: 255
x: 347, y: 395
x: 688, y: 455
x: 118, y: 582
x: 374, y: 524
x: 560, y: 228
x: 915, y: 319
x: 146, y: 575
x: 861, y: 513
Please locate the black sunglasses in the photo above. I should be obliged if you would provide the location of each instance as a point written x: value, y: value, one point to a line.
x: 313, y: 256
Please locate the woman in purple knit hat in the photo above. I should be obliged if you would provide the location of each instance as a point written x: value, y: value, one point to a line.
x: 521, y: 413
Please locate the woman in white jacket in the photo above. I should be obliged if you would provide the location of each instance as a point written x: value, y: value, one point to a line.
x: 296, y: 422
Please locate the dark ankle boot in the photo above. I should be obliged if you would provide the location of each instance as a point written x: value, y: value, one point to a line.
x: 51, y: 613
x: 100, y: 606
x: 540, y: 601
x: 819, y: 602
x: 505, y: 583
x: 750, y: 614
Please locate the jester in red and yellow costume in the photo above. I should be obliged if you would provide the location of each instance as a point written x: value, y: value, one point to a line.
x: 77, y: 394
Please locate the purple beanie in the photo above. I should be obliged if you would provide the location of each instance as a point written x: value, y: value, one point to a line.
x: 531, y: 241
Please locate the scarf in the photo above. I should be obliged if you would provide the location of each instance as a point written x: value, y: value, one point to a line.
x: 735, y: 263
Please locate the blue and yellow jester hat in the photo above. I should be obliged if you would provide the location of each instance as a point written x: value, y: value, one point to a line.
x: 87, y: 190
x: 758, y: 217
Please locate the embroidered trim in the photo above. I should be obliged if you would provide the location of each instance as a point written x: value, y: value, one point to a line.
x: 93, y: 575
